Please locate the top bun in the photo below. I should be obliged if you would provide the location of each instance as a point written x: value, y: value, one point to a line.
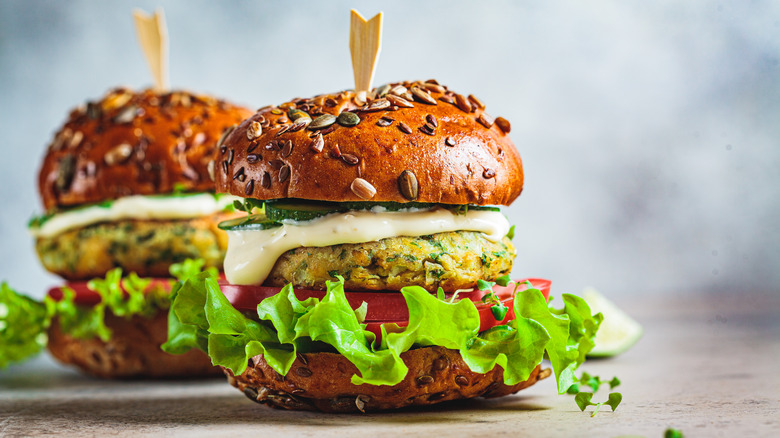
x: 134, y: 143
x: 411, y: 141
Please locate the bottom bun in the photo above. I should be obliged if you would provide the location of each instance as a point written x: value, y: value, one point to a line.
x: 321, y: 382
x: 132, y: 351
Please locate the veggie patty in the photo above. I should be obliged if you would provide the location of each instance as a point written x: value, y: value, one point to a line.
x: 146, y: 247
x: 454, y: 260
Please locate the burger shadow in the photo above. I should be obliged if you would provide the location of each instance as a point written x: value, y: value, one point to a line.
x: 154, y: 408
x: 68, y: 379
x: 39, y: 393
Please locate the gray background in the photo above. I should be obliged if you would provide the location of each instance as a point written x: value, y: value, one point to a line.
x: 649, y: 130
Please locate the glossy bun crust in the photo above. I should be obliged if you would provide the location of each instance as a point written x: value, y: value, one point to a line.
x: 134, y: 143
x: 132, y: 352
x: 321, y: 382
x: 411, y: 141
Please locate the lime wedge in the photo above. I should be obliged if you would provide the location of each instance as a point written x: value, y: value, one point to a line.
x: 618, y: 331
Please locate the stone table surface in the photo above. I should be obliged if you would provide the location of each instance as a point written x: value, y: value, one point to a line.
x: 707, y: 365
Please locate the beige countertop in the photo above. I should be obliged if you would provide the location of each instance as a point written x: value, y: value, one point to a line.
x: 708, y: 365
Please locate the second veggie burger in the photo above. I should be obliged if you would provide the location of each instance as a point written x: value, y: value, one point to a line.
x: 125, y: 184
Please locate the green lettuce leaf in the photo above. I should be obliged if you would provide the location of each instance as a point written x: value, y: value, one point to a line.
x: 201, y: 317
x: 571, y: 331
x: 229, y: 327
x: 86, y: 322
x: 333, y: 322
x: 81, y: 322
x: 282, y: 311
x: 187, y: 323
x: 24, y: 322
x: 23, y: 325
x: 517, y: 347
x: 190, y: 268
x: 189, y: 332
x: 285, y: 326
x: 434, y: 322
x: 136, y: 299
x: 531, y: 304
x: 583, y: 326
x: 182, y: 337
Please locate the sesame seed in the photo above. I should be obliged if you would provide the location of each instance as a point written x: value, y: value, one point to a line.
x: 422, y: 95
x: 350, y: 159
x: 503, y: 124
x: 385, y: 121
x: 317, y: 143
x: 284, y: 173
x: 407, y: 184
x: 287, y: 149
x: 427, y: 129
x: 478, y: 103
x: 485, y: 120
x: 362, y: 189
x: 463, y: 103
x: 399, y: 101
x: 254, y: 131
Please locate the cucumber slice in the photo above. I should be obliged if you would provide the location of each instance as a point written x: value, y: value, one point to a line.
x: 618, y: 331
x: 300, y: 211
x: 305, y: 210
x: 465, y: 208
x: 250, y: 222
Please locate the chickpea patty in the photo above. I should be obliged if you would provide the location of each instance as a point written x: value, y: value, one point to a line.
x: 454, y: 260
x: 146, y: 247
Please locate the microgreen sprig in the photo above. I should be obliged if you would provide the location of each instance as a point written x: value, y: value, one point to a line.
x: 247, y: 205
x: 594, y: 382
x: 583, y: 400
x: 498, y: 308
x: 673, y: 433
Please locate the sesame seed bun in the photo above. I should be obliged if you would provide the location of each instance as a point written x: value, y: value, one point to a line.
x: 321, y: 382
x: 411, y: 141
x: 134, y: 143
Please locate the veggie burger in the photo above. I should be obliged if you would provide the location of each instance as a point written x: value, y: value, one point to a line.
x: 371, y: 269
x: 125, y: 184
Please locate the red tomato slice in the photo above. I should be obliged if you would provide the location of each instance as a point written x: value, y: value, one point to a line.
x: 382, y: 307
x: 388, y: 306
x: 87, y: 297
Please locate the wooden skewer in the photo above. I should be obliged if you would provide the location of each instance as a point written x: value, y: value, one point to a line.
x: 153, y: 37
x: 365, y: 43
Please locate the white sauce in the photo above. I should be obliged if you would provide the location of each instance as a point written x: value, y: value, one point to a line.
x: 135, y: 207
x: 252, y: 254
